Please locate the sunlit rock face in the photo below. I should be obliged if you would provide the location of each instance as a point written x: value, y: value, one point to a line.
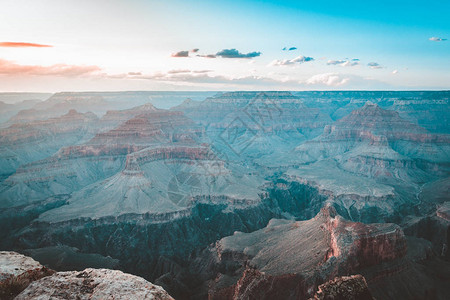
x: 301, y: 254
x: 93, y: 284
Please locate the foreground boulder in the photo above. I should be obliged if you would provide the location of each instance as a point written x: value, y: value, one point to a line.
x: 344, y: 288
x: 17, y: 271
x: 93, y: 284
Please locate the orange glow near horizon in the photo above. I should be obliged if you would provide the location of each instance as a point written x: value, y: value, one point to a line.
x: 21, y: 45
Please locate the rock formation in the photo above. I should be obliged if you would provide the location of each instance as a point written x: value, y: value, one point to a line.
x: 17, y: 272
x: 373, y: 153
x: 290, y: 258
x: 344, y: 288
x: 93, y: 284
x: 23, y: 143
x: 246, y: 124
x: 241, y: 194
x: 21, y: 277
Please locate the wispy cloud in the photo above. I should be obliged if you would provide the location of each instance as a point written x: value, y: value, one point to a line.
x: 394, y: 72
x: 178, y: 71
x: 195, y: 50
x: 374, y: 65
x: 181, y: 54
x: 207, y: 55
x: 233, y: 53
x: 436, y: 39
x: 187, y: 71
x: 23, y: 45
x: 11, y: 68
x: 286, y: 62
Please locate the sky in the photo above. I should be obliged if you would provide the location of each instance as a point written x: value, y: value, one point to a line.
x: 112, y: 45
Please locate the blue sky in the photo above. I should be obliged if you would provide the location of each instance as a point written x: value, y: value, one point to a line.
x: 130, y: 45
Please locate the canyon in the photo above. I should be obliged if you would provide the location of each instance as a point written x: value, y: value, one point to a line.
x: 233, y: 195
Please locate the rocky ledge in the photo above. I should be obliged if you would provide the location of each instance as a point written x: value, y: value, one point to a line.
x: 25, y: 278
x: 93, y: 284
x: 16, y: 273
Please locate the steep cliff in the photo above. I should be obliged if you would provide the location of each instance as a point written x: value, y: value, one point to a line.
x: 292, y: 258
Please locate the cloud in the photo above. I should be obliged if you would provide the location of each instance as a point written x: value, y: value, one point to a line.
x: 195, y: 50
x: 187, y: 71
x: 328, y: 79
x: 230, y: 53
x: 178, y: 71
x: 11, y: 68
x: 134, y: 73
x: 23, y: 45
x: 285, y: 62
x: 374, y: 65
x: 205, y: 79
x: 350, y: 64
x: 181, y: 54
x: 201, y: 71
x: 201, y: 77
x: 207, y: 55
x: 233, y: 53
x: 343, y: 63
x: 335, y: 62
x: 395, y: 72
x: 289, y: 49
x: 355, y: 59
x: 436, y: 39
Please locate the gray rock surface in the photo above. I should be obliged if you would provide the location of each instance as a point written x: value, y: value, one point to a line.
x: 344, y: 288
x: 16, y: 273
x: 93, y: 284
